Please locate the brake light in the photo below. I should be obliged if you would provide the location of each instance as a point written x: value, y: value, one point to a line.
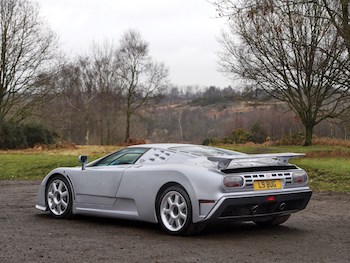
x: 271, y: 198
x: 233, y: 181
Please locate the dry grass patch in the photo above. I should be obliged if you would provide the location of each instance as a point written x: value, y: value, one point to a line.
x: 331, y: 142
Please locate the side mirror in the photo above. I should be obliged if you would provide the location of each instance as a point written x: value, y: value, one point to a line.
x: 83, y: 160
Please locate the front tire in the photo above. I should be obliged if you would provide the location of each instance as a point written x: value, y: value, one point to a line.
x: 59, y: 197
x: 174, y: 211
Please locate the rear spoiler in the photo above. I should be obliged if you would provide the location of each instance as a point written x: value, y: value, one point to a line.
x: 281, y: 158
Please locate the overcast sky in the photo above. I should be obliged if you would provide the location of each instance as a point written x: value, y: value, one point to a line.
x: 181, y: 33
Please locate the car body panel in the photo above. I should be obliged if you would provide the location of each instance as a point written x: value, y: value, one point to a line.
x: 97, y: 185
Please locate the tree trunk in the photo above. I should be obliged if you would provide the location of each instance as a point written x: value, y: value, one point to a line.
x: 309, y: 128
x: 87, y: 137
x: 127, y: 131
x: 179, y: 119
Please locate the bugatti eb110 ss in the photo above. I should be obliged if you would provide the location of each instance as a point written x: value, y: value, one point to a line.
x: 180, y: 186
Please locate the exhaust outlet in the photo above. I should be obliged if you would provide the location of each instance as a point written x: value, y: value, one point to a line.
x: 282, y: 206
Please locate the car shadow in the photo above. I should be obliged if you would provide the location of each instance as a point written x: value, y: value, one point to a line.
x: 234, y: 230
x: 92, y: 221
x: 244, y: 229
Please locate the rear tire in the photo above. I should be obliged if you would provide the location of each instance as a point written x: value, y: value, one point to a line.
x: 59, y: 197
x: 273, y: 221
x: 174, y: 211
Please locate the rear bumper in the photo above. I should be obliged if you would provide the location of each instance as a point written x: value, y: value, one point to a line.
x: 250, y: 208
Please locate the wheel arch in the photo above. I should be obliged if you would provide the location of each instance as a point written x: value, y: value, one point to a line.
x: 58, y: 174
x: 188, y: 188
x: 164, y: 186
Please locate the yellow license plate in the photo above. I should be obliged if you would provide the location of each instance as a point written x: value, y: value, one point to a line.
x: 267, y: 184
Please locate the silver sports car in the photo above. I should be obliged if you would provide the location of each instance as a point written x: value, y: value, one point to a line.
x: 180, y: 186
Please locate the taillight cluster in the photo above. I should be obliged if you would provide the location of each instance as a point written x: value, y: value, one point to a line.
x: 233, y: 181
x: 299, y: 177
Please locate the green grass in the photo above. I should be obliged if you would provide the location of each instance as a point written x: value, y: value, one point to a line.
x: 19, y: 166
x: 32, y: 166
x: 327, y: 174
x: 328, y: 167
x: 35, y: 164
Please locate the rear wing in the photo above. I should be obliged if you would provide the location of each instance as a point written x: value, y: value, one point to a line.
x: 281, y: 158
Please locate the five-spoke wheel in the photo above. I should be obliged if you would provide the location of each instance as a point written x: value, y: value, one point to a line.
x: 59, y: 197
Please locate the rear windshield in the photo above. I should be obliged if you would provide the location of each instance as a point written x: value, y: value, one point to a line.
x: 205, y: 151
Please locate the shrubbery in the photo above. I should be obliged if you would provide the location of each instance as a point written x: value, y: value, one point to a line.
x: 11, y: 136
x: 257, y: 134
x: 14, y: 135
x: 239, y: 135
x: 291, y: 139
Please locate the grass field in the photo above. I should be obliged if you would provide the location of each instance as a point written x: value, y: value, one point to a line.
x: 35, y: 164
x: 327, y: 166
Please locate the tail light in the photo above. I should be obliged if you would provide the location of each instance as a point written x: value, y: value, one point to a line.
x: 233, y: 181
x: 299, y: 177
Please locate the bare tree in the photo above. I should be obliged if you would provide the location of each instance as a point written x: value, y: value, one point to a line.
x: 28, y: 48
x: 290, y: 50
x: 90, y: 87
x: 339, y: 14
x: 140, y: 78
x: 109, y: 96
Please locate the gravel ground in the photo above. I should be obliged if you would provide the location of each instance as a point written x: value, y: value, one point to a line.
x: 320, y: 233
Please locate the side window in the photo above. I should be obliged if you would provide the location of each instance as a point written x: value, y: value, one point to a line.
x: 128, y: 158
x: 125, y: 156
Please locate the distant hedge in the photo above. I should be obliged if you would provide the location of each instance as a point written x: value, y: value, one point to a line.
x: 17, y: 136
x: 256, y: 134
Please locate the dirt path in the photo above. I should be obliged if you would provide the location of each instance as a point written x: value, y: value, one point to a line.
x: 321, y: 233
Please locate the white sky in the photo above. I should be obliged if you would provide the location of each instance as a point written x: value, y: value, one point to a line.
x: 181, y: 33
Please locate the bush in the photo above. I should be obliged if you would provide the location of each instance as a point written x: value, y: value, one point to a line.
x: 240, y: 135
x: 212, y: 141
x: 36, y: 134
x: 14, y: 135
x: 207, y: 141
x: 291, y: 139
x: 11, y: 136
x: 259, y: 133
